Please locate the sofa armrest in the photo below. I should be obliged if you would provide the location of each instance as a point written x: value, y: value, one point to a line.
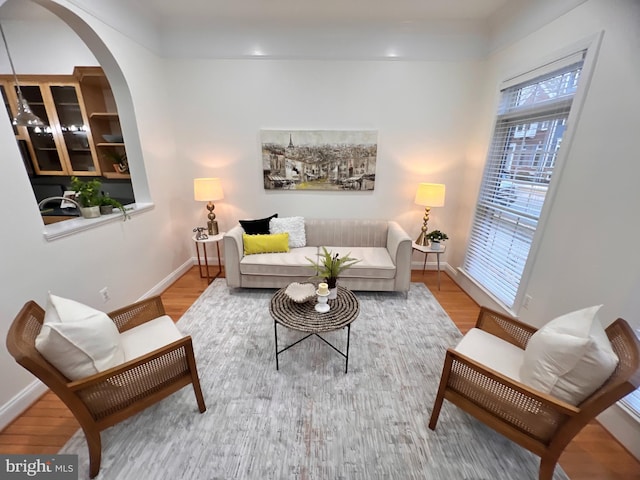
x: 233, y: 253
x: 399, y: 248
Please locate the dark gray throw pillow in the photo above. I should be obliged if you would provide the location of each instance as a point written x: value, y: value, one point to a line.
x: 257, y: 227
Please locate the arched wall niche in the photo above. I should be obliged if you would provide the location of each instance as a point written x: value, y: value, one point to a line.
x: 121, y: 93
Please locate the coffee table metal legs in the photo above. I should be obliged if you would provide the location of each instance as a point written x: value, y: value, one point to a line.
x: 345, y: 355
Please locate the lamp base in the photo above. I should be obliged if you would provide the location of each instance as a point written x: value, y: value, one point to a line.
x: 422, y: 240
x: 213, y: 227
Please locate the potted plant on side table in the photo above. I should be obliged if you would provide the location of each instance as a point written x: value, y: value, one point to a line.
x: 435, y: 237
x: 329, y: 267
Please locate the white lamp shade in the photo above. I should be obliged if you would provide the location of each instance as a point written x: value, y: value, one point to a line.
x: 207, y: 189
x: 430, y: 195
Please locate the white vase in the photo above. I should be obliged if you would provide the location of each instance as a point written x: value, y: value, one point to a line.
x: 333, y: 293
x: 435, y: 245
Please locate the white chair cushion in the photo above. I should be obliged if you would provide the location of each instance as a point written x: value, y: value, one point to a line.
x: 78, y: 340
x: 294, y: 226
x: 148, y: 337
x: 492, y: 352
x: 570, y: 357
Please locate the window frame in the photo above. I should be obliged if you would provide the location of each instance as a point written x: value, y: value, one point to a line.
x: 590, y: 47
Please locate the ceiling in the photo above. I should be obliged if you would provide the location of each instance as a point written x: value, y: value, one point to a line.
x: 355, y: 29
x: 167, y: 12
x: 316, y: 12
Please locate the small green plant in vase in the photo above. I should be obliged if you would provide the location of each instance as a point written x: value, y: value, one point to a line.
x: 435, y: 237
x: 107, y: 204
x: 329, y: 267
x: 88, y: 196
x: 91, y: 199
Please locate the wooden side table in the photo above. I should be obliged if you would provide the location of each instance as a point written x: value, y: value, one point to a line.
x: 427, y: 250
x: 212, y: 239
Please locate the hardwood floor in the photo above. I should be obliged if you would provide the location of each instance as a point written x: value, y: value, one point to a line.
x: 593, y: 455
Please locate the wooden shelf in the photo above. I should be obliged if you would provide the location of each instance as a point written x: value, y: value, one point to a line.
x: 103, y: 116
x: 103, y: 119
x: 114, y: 175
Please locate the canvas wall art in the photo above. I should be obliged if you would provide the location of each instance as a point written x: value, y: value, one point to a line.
x: 319, y: 159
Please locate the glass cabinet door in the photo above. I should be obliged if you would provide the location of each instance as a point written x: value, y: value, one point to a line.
x: 73, y: 128
x: 47, y: 158
x: 22, y: 143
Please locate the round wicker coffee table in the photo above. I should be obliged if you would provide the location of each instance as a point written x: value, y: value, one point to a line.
x: 304, y: 318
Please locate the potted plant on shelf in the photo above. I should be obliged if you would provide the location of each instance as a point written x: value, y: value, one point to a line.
x: 107, y: 204
x: 120, y: 162
x: 92, y: 200
x: 88, y: 196
x: 329, y: 267
x: 435, y: 237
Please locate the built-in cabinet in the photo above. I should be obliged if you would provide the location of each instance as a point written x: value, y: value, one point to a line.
x: 104, y: 121
x: 82, y: 136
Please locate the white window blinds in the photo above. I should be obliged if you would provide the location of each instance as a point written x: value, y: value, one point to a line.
x: 530, y: 124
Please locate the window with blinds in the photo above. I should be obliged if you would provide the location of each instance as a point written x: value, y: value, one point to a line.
x: 530, y: 125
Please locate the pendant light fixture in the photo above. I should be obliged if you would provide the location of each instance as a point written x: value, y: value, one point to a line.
x: 25, y: 117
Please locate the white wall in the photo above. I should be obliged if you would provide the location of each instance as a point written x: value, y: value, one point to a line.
x: 421, y: 110
x: 588, y: 253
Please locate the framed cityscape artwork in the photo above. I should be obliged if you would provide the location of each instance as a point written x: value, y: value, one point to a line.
x: 319, y: 159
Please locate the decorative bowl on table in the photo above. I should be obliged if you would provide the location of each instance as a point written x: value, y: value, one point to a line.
x: 300, y: 292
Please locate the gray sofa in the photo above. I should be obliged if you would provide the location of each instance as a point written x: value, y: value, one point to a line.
x: 383, y: 247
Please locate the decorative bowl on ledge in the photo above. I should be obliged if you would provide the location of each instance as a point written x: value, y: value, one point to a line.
x: 301, y: 292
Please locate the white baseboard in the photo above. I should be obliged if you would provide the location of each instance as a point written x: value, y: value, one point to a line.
x: 417, y: 265
x: 169, y: 279
x: 478, y: 294
x: 23, y: 400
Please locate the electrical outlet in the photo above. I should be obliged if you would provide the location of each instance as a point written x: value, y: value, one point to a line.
x: 105, y: 294
x: 527, y: 301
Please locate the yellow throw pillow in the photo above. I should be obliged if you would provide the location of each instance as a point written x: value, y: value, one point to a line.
x: 278, y: 242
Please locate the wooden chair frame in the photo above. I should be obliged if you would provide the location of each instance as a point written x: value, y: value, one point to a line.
x: 538, y: 422
x: 108, y: 397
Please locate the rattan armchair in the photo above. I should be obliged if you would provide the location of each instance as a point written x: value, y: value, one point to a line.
x: 536, y: 421
x: 108, y: 397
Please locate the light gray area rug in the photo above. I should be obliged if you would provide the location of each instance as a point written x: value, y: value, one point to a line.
x: 310, y: 420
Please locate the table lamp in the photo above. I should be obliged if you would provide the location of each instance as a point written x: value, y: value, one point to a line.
x: 428, y: 195
x: 208, y: 190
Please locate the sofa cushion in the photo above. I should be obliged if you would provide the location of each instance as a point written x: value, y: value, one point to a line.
x: 346, y: 232
x: 257, y: 227
x: 294, y: 226
x: 375, y: 262
x: 569, y: 357
x: 278, y: 242
x: 292, y: 263
x: 78, y: 340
